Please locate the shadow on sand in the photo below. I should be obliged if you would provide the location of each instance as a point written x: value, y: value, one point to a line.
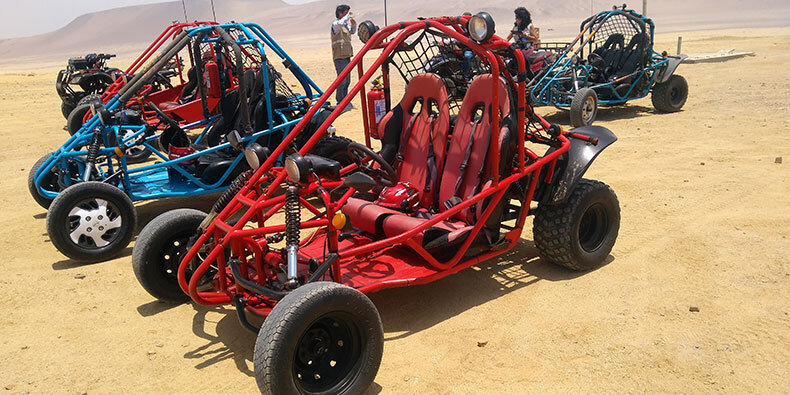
x: 605, y: 113
x: 146, y: 212
x: 403, y: 310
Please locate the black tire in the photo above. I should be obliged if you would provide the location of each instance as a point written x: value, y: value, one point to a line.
x: 580, y: 232
x: 102, y: 206
x: 74, y: 121
x: 50, y: 183
x: 87, y: 99
x: 158, y: 250
x: 137, y: 154
x: 65, y: 109
x: 584, y: 107
x: 333, y: 147
x: 290, y: 342
x: 670, y: 95
x: 96, y: 83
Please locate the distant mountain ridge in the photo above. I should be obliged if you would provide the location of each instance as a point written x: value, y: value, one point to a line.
x: 127, y: 30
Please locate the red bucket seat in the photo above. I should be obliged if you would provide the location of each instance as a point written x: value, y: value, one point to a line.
x: 464, y: 173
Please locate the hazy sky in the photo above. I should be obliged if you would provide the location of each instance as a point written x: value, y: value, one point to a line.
x: 28, y: 17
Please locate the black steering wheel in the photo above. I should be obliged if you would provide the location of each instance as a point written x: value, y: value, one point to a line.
x: 360, y: 154
x: 164, y: 117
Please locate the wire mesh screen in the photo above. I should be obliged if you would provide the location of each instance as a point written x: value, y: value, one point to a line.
x: 433, y: 52
x: 616, y: 28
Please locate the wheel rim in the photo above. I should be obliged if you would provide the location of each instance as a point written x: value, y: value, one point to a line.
x: 94, y: 223
x: 588, y: 109
x: 327, y: 354
x: 135, y: 150
x: 172, y: 252
x: 593, y: 227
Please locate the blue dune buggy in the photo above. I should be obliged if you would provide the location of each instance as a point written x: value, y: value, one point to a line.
x: 90, y: 182
x: 610, y: 62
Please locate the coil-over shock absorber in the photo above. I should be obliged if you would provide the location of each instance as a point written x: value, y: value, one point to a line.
x: 226, y: 197
x: 93, y: 152
x: 293, y: 219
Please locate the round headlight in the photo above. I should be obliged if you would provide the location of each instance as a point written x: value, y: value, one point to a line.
x: 297, y: 167
x: 255, y: 155
x: 481, y: 27
x: 366, y: 30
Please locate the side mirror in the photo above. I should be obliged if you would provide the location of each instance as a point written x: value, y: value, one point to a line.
x: 359, y: 181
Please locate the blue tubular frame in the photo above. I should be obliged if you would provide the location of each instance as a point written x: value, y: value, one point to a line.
x: 548, y: 90
x: 152, y: 181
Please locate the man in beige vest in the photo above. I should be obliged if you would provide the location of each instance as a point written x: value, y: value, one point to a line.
x: 342, y: 29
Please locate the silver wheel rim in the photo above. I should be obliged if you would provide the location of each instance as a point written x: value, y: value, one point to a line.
x: 135, y: 149
x: 94, y: 223
x: 588, y: 109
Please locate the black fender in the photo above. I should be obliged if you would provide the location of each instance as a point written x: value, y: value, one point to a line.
x: 574, y: 163
x: 669, y: 68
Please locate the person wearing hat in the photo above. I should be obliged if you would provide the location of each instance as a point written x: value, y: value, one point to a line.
x: 523, y: 30
x: 342, y: 29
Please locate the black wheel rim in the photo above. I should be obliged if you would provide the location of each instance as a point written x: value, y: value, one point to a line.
x: 94, y: 223
x: 593, y: 227
x: 171, y: 254
x: 327, y: 354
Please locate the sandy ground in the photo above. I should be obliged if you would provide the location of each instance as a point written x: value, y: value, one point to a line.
x: 704, y: 223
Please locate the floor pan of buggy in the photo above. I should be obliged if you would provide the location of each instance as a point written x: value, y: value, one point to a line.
x: 159, y: 184
x: 391, y: 267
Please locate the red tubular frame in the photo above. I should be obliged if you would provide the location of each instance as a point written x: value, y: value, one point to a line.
x: 255, y: 199
x: 170, y: 31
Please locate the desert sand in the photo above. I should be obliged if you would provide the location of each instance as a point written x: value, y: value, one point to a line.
x: 705, y: 223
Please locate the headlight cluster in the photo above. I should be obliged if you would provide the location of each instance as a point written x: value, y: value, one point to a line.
x: 481, y: 27
x: 297, y: 167
x: 255, y: 155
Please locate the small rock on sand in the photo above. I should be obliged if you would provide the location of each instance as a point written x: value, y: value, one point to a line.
x: 778, y: 160
x: 694, y: 309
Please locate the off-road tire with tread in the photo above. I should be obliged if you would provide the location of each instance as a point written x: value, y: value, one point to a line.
x: 74, y: 120
x: 276, y: 348
x: 559, y: 233
x: 333, y: 147
x: 155, y: 242
x: 670, y: 95
x: 65, y: 109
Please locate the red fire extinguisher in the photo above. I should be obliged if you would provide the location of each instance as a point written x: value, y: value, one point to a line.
x: 377, y: 107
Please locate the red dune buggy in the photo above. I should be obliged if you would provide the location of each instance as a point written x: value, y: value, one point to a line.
x: 302, y: 243
x: 173, y: 88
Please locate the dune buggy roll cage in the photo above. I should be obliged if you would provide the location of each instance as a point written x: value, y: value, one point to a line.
x: 256, y: 200
x: 145, y: 69
x: 568, y: 68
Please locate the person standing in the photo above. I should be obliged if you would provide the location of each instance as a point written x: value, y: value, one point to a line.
x: 342, y: 29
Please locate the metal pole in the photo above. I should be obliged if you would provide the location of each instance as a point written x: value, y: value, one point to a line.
x: 385, y: 13
x: 680, y: 39
x: 212, y: 11
x: 644, y: 7
x: 185, y: 11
